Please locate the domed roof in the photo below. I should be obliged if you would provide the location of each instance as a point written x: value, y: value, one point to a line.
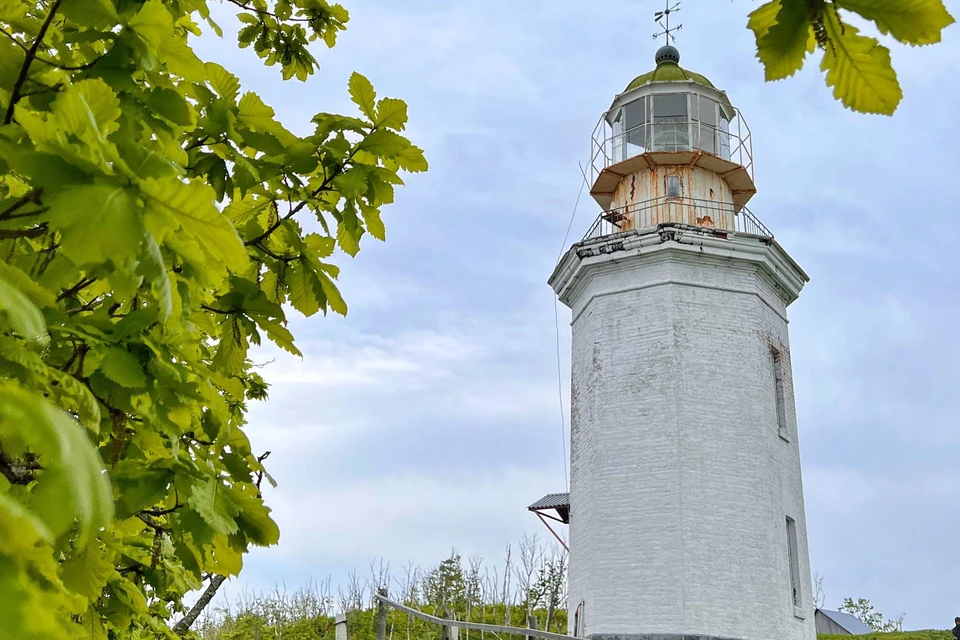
x: 669, y: 70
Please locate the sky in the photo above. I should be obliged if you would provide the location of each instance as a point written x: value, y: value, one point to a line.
x: 430, y: 417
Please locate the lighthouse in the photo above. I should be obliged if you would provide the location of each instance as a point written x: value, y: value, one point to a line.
x: 685, y: 506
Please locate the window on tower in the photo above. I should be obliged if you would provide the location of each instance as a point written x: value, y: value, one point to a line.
x: 779, y: 393
x: 794, y: 560
x: 673, y: 186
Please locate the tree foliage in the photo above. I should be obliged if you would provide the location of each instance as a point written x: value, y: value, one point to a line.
x: 863, y: 610
x: 857, y: 67
x: 156, y: 221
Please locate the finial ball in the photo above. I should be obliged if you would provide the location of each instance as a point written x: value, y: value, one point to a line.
x: 668, y: 53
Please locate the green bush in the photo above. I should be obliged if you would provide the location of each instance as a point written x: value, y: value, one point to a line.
x: 929, y: 634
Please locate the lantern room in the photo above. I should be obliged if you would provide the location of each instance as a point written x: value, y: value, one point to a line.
x: 672, y: 148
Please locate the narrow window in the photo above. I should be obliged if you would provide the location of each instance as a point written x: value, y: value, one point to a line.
x: 673, y: 186
x: 778, y: 391
x: 794, y: 562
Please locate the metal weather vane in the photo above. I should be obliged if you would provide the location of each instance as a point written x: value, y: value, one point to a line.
x: 663, y: 19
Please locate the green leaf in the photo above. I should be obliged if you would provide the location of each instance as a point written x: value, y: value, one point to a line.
x: 153, y: 23
x: 351, y: 183
x: 242, y: 210
x: 147, y: 163
x: 371, y: 217
x: 334, y: 299
x: 363, y: 95
x: 349, y: 239
x: 88, y: 571
x: 255, y: 114
x: 139, y: 487
x: 122, y: 367
x: 99, y: 14
x: 915, y: 22
x: 211, y: 499
x: 223, y: 82
x: 173, y: 106
x: 858, y: 68
x: 181, y: 60
x: 190, y: 206
x: 412, y: 160
x: 72, y: 488
x: 254, y: 518
x: 37, y: 293
x: 384, y: 143
x: 21, y: 314
x: 111, y: 209
x: 88, y: 109
x: 303, y: 282
x: 784, y: 36
x: 392, y: 113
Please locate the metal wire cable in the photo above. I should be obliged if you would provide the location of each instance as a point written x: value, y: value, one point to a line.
x: 556, y: 325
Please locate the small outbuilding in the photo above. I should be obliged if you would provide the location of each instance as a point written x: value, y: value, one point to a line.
x: 839, y: 624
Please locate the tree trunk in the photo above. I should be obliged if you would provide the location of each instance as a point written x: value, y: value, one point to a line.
x: 183, y: 626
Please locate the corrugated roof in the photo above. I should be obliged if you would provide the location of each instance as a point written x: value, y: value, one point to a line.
x: 551, y: 501
x: 848, y: 622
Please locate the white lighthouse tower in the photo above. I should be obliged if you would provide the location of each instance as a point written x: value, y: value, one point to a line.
x: 686, y: 502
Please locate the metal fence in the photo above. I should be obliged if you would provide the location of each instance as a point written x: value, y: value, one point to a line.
x: 691, y: 211
x: 450, y: 627
x: 730, y: 139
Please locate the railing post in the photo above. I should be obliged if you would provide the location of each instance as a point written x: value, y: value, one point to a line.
x: 449, y: 632
x: 381, y: 615
x: 532, y: 623
x: 340, y: 627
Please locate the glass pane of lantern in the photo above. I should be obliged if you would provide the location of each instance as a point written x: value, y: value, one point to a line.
x: 634, y: 120
x: 616, y: 140
x: 636, y: 141
x: 705, y: 134
x: 670, y: 128
x: 670, y: 105
x: 724, y: 137
x: 708, y: 111
x: 634, y: 114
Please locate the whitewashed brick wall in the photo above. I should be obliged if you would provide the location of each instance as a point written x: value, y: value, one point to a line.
x: 680, y: 483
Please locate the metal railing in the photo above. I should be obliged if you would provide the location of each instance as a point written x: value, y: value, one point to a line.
x: 723, y: 216
x: 731, y: 141
x: 450, y: 626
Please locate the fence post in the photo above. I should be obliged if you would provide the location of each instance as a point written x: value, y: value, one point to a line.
x: 340, y: 627
x: 381, y: 615
x: 532, y: 624
x: 449, y: 632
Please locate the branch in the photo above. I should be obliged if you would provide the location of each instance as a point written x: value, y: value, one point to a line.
x: 275, y: 256
x: 20, y: 472
x: 260, y: 459
x: 32, y: 232
x: 32, y: 197
x: 75, y: 289
x: 183, y: 626
x: 326, y: 182
x: 226, y: 312
x: 264, y: 12
x: 31, y: 54
x: 156, y: 513
x: 52, y: 63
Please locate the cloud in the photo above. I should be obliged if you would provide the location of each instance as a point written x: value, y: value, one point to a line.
x: 428, y: 417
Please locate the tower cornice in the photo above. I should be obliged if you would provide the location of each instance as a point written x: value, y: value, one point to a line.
x: 672, y: 240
